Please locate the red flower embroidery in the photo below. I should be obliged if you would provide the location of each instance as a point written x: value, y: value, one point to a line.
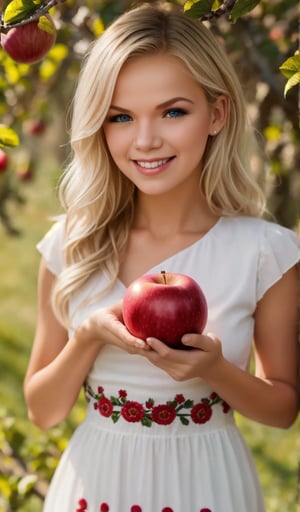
x: 163, y: 414
x: 149, y: 403
x: 105, y: 407
x: 225, y: 407
x: 132, y: 412
x: 179, y: 399
x: 104, y: 507
x: 82, y: 505
x: 201, y: 413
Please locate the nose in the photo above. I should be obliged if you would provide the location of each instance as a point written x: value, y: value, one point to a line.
x: 147, y: 136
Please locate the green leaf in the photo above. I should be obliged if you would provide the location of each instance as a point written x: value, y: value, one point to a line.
x: 146, y: 421
x: 188, y: 404
x: 198, y: 8
x: 115, y: 401
x: 242, y: 7
x: 115, y: 417
x: 294, y: 80
x: 46, y: 25
x: 291, y: 66
x: 8, y: 137
x: 184, y: 420
x: 18, y: 10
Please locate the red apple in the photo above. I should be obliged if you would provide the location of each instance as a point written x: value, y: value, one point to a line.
x: 25, y: 174
x: 164, y: 306
x: 3, y: 161
x: 29, y: 43
x: 34, y: 126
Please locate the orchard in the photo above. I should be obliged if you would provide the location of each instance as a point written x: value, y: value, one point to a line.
x: 42, y: 43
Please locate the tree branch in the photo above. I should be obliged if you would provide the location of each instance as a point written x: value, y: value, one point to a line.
x: 225, y: 8
x: 40, y: 11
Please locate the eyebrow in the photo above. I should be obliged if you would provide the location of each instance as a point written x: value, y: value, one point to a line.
x: 161, y: 105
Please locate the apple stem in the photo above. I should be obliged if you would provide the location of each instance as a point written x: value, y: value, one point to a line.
x: 164, y: 275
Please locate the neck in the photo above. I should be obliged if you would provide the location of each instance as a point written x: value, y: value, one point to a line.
x: 178, y: 212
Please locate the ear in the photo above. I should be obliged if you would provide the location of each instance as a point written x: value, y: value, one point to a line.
x: 219, y: 113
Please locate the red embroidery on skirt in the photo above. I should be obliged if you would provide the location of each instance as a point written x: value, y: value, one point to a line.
x: 104, y: 507
x: 147, y: 413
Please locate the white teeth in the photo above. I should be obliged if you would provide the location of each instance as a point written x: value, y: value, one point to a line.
x: 152, y: 165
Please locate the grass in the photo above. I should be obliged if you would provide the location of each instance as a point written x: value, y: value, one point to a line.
x: 276, y: 452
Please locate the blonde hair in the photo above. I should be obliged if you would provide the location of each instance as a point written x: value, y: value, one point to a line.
x: 99, y: 200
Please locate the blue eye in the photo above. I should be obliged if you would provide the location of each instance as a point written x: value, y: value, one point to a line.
x: 175, y: 112
x: 120, y: 118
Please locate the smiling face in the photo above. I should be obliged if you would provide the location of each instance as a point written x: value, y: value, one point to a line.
x: 159, y: 122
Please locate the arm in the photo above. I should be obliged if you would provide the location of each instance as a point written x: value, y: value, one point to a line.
x: 269, y: 396
x: 58, y: 366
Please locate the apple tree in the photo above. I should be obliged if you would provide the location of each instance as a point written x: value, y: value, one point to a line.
x: 262, y: 39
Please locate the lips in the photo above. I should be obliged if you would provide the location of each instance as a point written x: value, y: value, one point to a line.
x: 153, y: 166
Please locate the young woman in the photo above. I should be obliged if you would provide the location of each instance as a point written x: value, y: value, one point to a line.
x: 160, y: 179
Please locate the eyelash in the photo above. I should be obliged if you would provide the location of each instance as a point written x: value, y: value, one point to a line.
x: 117, y: 118
x: 179, y: 112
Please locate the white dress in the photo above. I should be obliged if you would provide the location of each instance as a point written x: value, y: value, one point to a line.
x: 149, y: 443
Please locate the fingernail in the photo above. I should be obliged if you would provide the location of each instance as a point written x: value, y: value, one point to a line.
x: 185, y: 339
x: 150, y: 340
x: 139, y: 343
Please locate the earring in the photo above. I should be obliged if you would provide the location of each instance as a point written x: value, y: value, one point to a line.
x: 215, y: 132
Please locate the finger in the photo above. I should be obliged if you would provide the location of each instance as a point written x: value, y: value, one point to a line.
x: 200, y: 341
x: 118, y: 330
x: 158, y: 346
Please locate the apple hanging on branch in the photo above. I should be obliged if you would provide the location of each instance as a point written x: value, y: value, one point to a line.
x: 164, y: 306
x: 3, y: 161
x: 28, y: 43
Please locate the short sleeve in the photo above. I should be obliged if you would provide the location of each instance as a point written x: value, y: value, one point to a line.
x: 280, y: 250
x: 51, y: 246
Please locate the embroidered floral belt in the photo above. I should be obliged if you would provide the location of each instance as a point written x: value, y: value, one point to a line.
x: 180, y: 408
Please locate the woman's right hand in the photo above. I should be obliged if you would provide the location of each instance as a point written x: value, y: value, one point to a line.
x: 58, y: 363
x: 107, y: 328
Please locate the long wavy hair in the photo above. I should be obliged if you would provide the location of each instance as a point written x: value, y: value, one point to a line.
x: 98, y: 199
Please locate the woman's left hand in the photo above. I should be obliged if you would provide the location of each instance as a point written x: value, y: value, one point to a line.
x: 204, y: 356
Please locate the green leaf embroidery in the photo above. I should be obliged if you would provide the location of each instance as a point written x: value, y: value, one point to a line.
x: 115, y: 416
x: 146, y: 421
x: 184, y: 420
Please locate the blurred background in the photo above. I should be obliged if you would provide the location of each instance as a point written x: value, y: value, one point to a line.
x: 35, y: 101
